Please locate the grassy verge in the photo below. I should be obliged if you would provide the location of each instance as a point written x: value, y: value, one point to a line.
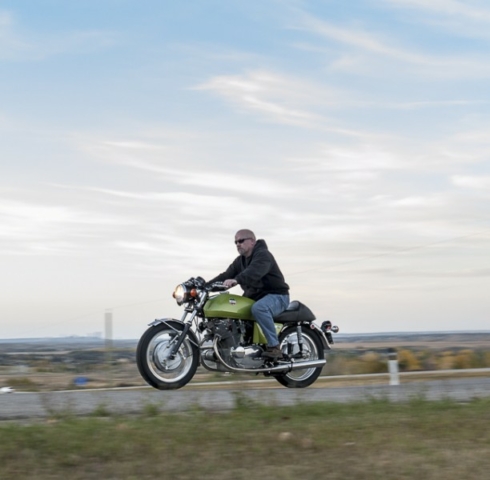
x: 370, y: 440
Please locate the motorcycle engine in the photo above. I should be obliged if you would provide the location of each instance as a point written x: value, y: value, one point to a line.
x: 235, y: 342
x: 247, y: 357
x: 229, y: 331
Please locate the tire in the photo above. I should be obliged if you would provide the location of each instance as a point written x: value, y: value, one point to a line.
x: 152, y: 357
x: 313, y: 350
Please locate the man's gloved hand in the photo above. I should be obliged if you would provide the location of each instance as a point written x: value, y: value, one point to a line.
x: 230, y: 283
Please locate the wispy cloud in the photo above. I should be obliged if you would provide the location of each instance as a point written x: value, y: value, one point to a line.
x: 265, y: 93
x: 356, y: 159
x: 477, y: 182
x: 467, y: 19
x: 360, y: 40
x: 452, y: 8
x: 10, y: 43
x: 283, y: 99
x: 217, y: 180
x: 18, y: 44
x: 436, y: 273
x: 138, y: 155
x: 33, y: 228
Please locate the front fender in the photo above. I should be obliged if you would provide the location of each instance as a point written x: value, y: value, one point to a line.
x: 166, y: 321
x: 176, y: 326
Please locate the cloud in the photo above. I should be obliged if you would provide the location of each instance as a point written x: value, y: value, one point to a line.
x: 478, y: 135
x: 188, y: 210
x: 11, y: 44
x: 469, y: 19
x: 251, y: 88
x: 265, y: 93
x: 282, y: 99
x: 362, y: 42
x: 452, y: 8
x: 16, y: 44
x: 230, y: 178
x: 354, y: 159
x: 218, y: 180
x: 475, y: 182
x: 423, y: 104
x: 359, y: 39
x: 175, y: 199
x: 33, y: 228
x: 426, y: 274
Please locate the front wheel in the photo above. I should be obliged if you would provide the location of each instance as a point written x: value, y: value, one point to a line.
x: 312, y: 350
x: 157, y: 366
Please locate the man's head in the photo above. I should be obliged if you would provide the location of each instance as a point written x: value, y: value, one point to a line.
x: 245, y: 242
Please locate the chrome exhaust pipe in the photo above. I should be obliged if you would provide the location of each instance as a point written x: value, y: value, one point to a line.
x: 283, y: 367
x: 308, y: 364
x: 208, y: 354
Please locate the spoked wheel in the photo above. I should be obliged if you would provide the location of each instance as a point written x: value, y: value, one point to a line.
x: 312, y: 350
x: 157, y: 366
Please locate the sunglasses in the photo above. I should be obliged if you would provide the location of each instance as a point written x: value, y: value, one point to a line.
x: 241, y: 240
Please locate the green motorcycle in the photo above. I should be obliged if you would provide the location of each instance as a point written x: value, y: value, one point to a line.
x: 218, y: 331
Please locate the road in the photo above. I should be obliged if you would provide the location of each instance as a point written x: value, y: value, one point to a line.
x: 16, y: 406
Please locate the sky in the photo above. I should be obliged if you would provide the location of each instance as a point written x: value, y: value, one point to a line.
x: 136, y: 138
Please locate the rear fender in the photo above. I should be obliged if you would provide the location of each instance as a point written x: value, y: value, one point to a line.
x: 321, y: 334
x: 317, y: 330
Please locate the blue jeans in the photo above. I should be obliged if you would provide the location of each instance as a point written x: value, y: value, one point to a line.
x: 264, y: 311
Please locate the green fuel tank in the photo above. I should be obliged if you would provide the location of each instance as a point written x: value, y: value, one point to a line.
x: 227, y: 305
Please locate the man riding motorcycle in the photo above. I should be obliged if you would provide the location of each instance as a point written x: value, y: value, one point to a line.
x: 261, y: 279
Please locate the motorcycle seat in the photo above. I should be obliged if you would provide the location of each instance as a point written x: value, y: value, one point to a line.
x: 295, y: 312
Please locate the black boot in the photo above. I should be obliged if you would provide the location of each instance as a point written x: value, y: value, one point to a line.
x: 274, y: 353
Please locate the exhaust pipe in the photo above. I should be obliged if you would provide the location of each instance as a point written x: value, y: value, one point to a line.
x: 284, y: 367
x: 308, y: 364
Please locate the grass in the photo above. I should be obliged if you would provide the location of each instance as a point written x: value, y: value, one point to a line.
x: 369, y: 440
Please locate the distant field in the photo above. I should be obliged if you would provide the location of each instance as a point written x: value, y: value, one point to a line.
x: 429, y: 340
x: 370, y: 440
x: 54, y: 364
x: 400, y: 343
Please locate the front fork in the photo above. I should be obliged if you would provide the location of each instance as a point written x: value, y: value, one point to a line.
x: 187, y: 324
x: 180, y: 339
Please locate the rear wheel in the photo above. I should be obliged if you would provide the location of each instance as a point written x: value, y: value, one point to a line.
x: 157, y: 366
x: 312, y: 350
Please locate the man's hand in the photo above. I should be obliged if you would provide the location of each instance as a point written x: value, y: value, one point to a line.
x: 230, y: 283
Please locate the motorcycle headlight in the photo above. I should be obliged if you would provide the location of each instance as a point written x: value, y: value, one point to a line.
x: 181, y: 294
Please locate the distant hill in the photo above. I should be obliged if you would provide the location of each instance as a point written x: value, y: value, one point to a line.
x: 59, y: 343
x: 407, y: 338
x: 412, y: 337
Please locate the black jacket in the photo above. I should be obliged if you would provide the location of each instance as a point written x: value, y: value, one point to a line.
x: 257, y: 274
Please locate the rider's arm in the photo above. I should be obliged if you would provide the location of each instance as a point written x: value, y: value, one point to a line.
x: 230, y: 272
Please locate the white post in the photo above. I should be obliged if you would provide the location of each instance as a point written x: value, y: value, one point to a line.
x: 108, y: 329
x: 108, y: 343
x: 393, y: 367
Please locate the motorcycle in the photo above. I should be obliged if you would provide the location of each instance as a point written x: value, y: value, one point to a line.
x: 218, y: 331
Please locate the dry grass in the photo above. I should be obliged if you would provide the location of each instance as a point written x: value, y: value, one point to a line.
x: 370, y: 440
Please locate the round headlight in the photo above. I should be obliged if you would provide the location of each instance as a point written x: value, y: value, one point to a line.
x: 181, y: 294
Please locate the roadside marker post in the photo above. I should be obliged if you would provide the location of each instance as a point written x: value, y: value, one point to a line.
x: 393, y: 367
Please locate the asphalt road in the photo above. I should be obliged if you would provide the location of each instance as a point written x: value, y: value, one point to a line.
x: 15, y: 406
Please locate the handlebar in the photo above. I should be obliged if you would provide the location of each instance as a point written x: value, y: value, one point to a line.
x: 200, y: 283
x: 217, y: 287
